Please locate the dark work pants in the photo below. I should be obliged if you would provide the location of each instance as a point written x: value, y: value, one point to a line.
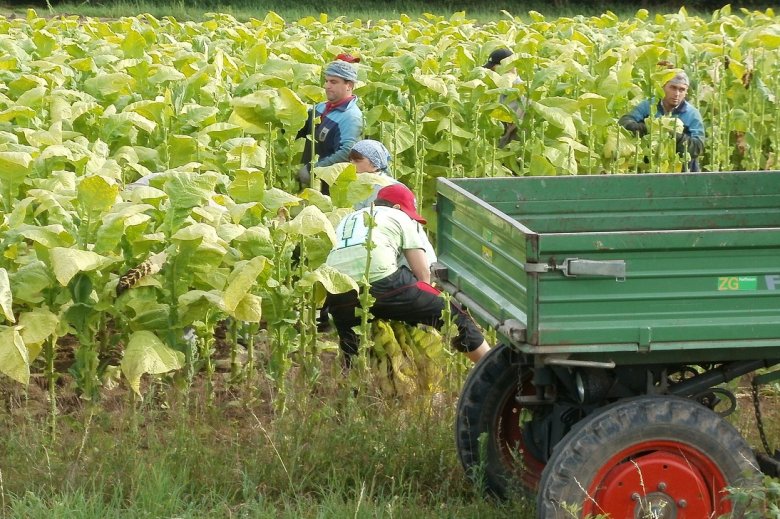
x: 400, y: 297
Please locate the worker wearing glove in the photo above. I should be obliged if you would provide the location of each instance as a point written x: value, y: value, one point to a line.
x: 335, y: 124
x: 691, y: 140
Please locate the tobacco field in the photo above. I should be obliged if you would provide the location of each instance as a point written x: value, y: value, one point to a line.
x: 221, y: 235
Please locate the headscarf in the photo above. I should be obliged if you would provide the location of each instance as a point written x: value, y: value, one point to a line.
x: 374, y: 151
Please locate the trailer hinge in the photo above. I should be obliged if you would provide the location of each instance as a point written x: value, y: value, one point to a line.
x: 571, y: 267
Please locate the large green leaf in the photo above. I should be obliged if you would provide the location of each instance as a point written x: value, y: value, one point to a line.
x: 37, y: 326
x: 111, y: 84
x: 182, y: 149
x: 199, y: 232
x: 245, y: 153
x: 432, y: 83
x: 66, y: 263
x: 309, y: 222
x: 556, y: 116
x: 249, y: 309
x: 281, y: 106
x: 116, y: 222
x: 194, y: 304
x: 275, y: 198
x: 187, y: 190
x: 30, y: 282
x: 97, y: 194
x: 335, y: 282
x: 248, y: 185
x: 14, y: 357
x: 243, y: 279
x: 146, y: 353
x: 14, y: 166
x: 49, y: 236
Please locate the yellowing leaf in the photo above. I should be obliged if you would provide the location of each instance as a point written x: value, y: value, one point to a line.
x: 14, y: 358
x: 309, y: 222
x: 146, y: 353
x: 335, y: 282
x: 433, y: 83
x: 95, y: 193
x: 249, y: 309
x: 242, y: 281
x: 37, y: 326
x: 6, y: 297
x: 247, y: 185
x: 102, y: 85
x: 9, y: 114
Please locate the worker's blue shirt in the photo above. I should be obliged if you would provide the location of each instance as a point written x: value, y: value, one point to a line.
x: 335, y: 132
x: 687, y: 113
x: 693, y: 125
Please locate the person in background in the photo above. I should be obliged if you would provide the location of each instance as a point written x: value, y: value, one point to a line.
x: 496, y: 57
x: 518, y: 106
x: 336, y: 124
x: 370, y: 156
x: 401, y: 293
x: 673, y: 103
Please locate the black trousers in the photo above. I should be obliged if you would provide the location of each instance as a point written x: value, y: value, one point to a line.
x: 400, y: 297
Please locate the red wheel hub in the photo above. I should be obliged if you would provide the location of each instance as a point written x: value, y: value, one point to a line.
x: 660, y: 479
x: 526, y: 467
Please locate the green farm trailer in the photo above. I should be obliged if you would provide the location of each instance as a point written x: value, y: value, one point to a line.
x: 624, y: 306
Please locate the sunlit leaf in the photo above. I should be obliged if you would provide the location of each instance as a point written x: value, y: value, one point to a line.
x: 242, y: 281
x: 95, y: 193
x: 14, y: 357
x: 248, y: 185
x: 309, y: 222
x: 6, y: 296
x: 66, y: 263
x: 14, y: 165
x: 146, y: 353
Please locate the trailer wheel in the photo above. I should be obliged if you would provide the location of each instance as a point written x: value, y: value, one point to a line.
x: 650, y: 456
x: 490, y: 429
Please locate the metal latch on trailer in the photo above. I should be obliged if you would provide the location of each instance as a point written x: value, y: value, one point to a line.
x: 571, y: 267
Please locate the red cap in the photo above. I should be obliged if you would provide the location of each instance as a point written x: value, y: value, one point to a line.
x: 349, y: 58
x: 399, y: 194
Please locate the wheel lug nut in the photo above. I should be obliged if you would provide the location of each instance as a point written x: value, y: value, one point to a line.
x: 661, y: 486
x: 682, y: 503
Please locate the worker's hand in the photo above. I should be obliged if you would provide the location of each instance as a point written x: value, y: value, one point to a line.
x: 304, y: 176
x: 682, y: 143
x: 636, y: 127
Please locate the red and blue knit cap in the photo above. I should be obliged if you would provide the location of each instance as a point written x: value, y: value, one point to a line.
x: 341, y: 69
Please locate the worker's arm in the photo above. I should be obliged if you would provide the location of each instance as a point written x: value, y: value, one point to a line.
x: 418, y: 264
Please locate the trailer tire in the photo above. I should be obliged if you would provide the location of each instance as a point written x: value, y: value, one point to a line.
x: 644, y: 455
x: 488, y: 433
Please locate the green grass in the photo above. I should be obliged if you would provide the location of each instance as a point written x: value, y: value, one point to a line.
x: 368, y: 10
x: 328, y: 454
x: 318, y: 451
